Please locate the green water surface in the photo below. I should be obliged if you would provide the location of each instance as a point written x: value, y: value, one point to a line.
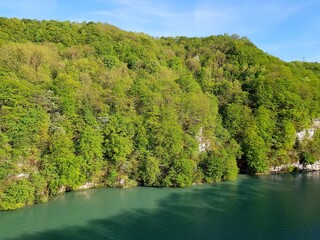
x: 264, y: 207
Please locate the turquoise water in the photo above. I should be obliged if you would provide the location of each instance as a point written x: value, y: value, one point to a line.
x: 264, y: 207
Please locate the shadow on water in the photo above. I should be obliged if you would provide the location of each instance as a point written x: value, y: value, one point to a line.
x: 249, y: 209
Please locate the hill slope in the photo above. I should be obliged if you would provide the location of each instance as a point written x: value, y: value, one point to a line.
x: 91, y: 104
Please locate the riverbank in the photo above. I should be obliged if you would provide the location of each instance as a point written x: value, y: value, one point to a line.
x: 282, y: 169
x: 297, y: 167
x: 284, y: 206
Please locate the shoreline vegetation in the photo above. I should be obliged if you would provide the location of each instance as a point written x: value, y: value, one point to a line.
x: 88, y: 104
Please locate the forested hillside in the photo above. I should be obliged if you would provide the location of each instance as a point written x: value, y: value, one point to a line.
x: 88, y: 103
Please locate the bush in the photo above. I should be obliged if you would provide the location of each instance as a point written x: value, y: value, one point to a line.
x: 17, y: 195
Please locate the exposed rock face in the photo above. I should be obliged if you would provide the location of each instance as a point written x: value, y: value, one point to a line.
x: 304, y: 134
x: 204, y: 144
x: 87, y: 185
x: 22, y: 175
x: 62, y: 189
x: 297, y: 166
x: 313, y: 167
x: 309, y: 133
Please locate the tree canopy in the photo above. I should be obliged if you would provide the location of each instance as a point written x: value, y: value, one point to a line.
x: 88, y: 102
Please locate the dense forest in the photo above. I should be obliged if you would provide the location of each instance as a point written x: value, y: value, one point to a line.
x: 88, y: 103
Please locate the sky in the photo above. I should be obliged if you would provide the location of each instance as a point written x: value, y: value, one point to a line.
x: 288, y: 29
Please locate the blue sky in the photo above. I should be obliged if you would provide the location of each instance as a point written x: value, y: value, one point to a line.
x: 288, y: 29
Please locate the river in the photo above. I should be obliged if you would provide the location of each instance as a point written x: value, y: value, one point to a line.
x: 260, y: 207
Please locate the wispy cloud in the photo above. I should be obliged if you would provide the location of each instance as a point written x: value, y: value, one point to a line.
x: 247, y: 18
x: 314, y: 58
x: 294, y: 50
x: 274, y: 25
x: 153, y: 17
x: 202, y: 18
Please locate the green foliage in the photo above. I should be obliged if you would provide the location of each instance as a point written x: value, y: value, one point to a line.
x: 309, y: 148
x: 87, y: 102
x: 118, y: 138
x: 149, y: 171
x: 40, y: 187
x: 16, y: 195
x: 90, y: 147
x: 307, y: 158
x: 181, y: 174
x: 60, y: 165
x: 255, y: 152
x: 220, y: 165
